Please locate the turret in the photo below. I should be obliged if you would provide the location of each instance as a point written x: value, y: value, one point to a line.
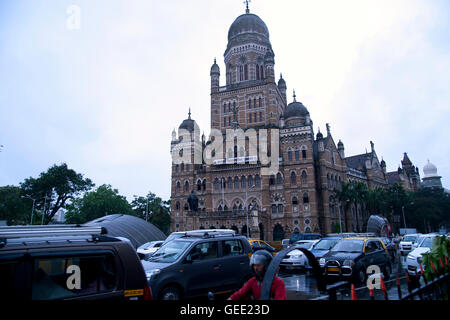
x: 269, y: 62
x: 282, y: 87
x: 341, y: 149
x: 215, y: 76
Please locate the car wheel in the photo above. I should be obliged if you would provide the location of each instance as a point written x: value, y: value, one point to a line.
x: 170, y: 293
x: 387, y: 272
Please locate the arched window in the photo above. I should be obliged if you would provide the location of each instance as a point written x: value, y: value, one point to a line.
x: 219, y: 208
x: 279, y: 178
x: 274, y: 208
x: 216, y: 184
x: 225, y: 208
x: 243, y: 182
x: 178, y: 186
x: 249, y: 103
x: 260, y: 117
x: 257, y: 180
x: 241, y: 208
x: 290, y: 155
x: 199, y: 185
x: 186, y: 186
x: 186, y: 206
x: 305, y: 198
x: 278, y: 233
x: 294, y: 201
x: 250, y: 181
x: 261, y: 73
x: 223, y: 183
x: 304, y: 177
x: 272, y: 180
x: 280, y: 208
x: 241, y: 73
x: 204, y: 185
x: 297, y: 155
x: 259, y: 102
x: 230, y: 183
x: 250, y: 118
x: 304, y: 154
x: 182, y: 167
x: 177, y: 205
x: 293, y: 177
x: 224, y: 108
x: 236, y: 182
x: 187, y: 166
x: 257, y: 72
x: 229, y: 106
x: 246, y: 72
x: 235, y: 208
x: 176, y: 168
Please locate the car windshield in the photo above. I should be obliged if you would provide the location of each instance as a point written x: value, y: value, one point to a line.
x: 325, y: 244
x: 146, y: 245
x: 169, y: 252
x: 427, y: 242
x: 305, y: 245
x: 409, y: 238
x: 349, y: 246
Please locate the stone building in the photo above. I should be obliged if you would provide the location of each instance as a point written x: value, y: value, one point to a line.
x: 407, y: 175
x: 235, y: 185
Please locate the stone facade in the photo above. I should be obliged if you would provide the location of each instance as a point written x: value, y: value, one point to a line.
x: 237, y: 188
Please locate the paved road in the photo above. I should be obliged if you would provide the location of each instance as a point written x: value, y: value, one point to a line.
x: 302, y: 286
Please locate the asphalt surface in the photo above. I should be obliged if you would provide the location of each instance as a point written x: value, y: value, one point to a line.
x: 302, y: 286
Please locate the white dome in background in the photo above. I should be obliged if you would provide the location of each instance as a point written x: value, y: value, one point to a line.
x: 430, y: 170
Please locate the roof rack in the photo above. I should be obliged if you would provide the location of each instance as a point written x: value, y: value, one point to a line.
x: 51, y: 230
x: 209, y: 233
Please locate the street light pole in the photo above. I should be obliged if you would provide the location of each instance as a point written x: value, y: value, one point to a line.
x: 246, y: 207
x: 32, y: 210
x: 403, y: 211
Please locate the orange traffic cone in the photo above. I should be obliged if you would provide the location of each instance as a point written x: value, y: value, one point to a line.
x: 383, y: 288
x: 372, y: 294
x: 354, y: 297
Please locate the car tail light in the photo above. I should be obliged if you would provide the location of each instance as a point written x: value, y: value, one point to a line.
x: 148, y: 293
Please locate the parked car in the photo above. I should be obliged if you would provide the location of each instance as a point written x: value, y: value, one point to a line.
x: 349, y: 259
x: 284, y: 243
x: 149, y: 247
x: 391, y: 247
x: 296, y: 259
x: 406, y: 245
x: 68, y: 263
x: 419, y: 240
x: 198, y: 263
x: 323, y: 246
x: 415, y: 256
x: 260, y: 245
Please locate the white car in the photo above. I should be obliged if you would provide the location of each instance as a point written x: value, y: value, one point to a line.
x: 149, y: 247
x: 296, y: 259
x: 415, y: 257
x: 407, y: 244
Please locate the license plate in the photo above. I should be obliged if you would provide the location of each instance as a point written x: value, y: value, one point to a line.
x: 333, y: 269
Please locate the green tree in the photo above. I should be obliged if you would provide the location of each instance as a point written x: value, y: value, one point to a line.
x: 98, y: 203
x: 157, y: 209
x: 13, y: 208
x: 54, y: 189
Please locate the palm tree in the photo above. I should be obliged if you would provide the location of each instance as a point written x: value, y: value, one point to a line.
x: 346, y: 196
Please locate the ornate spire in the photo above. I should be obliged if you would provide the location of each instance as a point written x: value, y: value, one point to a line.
x: 295, y: 100
x: 189, y: 113
x: 328, y: 129
x: 246, y: 2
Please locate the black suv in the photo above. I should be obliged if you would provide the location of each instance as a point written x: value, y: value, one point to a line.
x: 350, y: 258
x: 198, y: 263
x: 68, y: 262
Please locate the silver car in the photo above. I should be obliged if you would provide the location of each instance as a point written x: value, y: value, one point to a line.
x: 296, y: 259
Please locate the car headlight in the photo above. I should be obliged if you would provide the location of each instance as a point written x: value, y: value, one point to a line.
x: 152, y: 273
x: 322, y: 262
x: 410, y: 257
x: 349, y: 263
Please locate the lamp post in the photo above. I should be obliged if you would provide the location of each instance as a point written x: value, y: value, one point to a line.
x: 32, y: 210
x: 246, y: 207
x: 403, y: 212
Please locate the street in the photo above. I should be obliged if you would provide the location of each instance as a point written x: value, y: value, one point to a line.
x: 302, y: 286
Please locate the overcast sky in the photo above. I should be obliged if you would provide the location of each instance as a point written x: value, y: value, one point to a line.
x: 105, y: 98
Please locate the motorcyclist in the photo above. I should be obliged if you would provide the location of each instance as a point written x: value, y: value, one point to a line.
x: 259, y: 262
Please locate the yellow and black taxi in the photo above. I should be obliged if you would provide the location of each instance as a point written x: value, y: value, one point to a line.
x: 261, y: 245
x: 350, y: 259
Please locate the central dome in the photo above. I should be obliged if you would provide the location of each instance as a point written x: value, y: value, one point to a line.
x: 295, y: 109
x: 248, y: 28
x: 248, y: 23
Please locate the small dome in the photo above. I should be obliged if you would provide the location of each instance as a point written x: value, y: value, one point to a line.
x: 215, y: 70
x: 281, y: 82
x: 430, y: 170
x: 340, y: 144
x: 188, y: 124
x: 295, y: 109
